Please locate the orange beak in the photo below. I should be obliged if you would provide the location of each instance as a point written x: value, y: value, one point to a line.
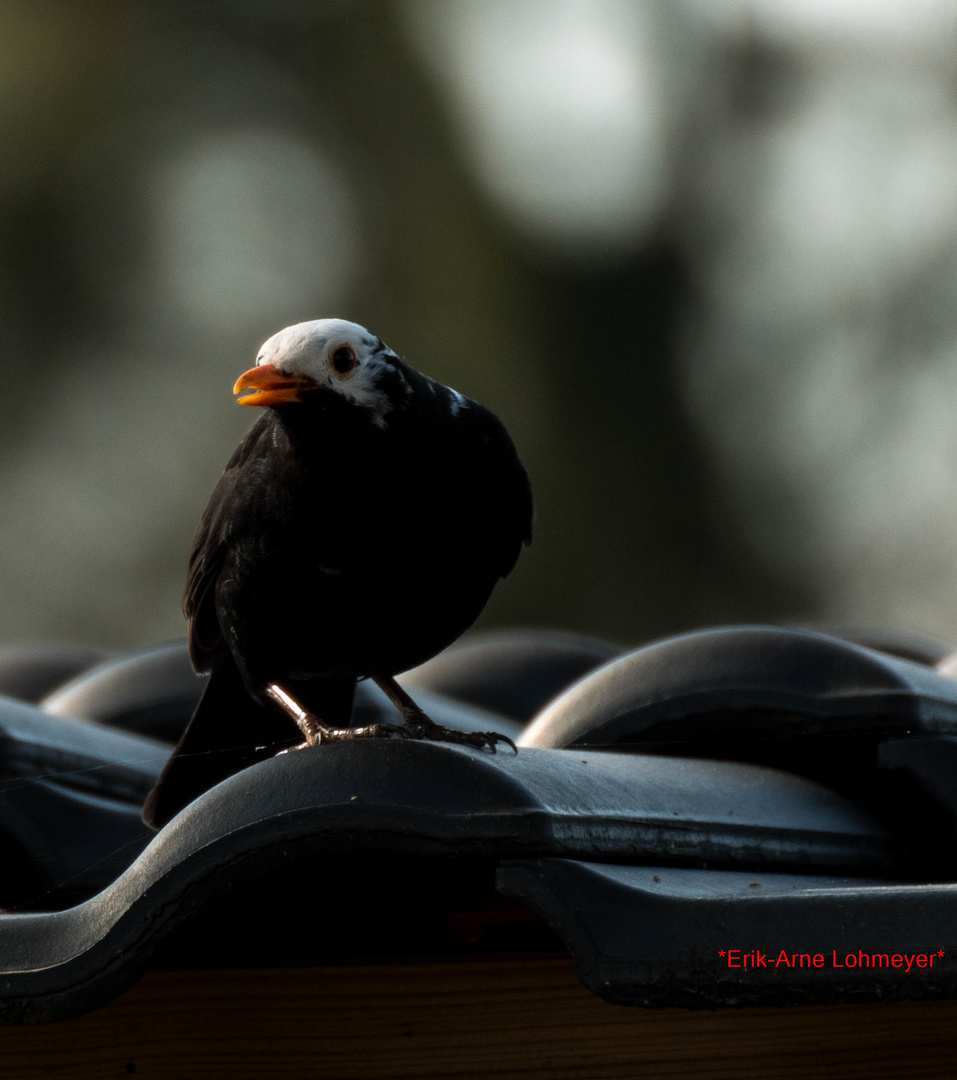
x: 264, y: 385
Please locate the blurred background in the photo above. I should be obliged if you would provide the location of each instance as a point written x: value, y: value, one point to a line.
x: 699, y: 255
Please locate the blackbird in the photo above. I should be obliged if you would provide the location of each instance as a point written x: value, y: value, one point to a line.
x: 357, y: 530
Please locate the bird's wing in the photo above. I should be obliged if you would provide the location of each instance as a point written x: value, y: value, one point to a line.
x: 225, y: 513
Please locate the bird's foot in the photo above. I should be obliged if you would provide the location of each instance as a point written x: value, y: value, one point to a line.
x: 422, y: 727
x: 316, y: 732
x: 416, y: 724
x: 320, y: 733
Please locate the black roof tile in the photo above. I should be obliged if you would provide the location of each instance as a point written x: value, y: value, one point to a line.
x: 424, y: 799
x: 647, y: 858
x: 512, y: 673
x: 28, y: 672
x: 149, y: 692
x: 797, y: 682
x: 677, y: 937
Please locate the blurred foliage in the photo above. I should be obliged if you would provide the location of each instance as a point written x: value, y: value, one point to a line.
x: 732, y: 395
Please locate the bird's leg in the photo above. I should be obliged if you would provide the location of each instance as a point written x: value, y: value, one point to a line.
x: 305, y: 721
x: 317, y: 732
x: 422, y: 727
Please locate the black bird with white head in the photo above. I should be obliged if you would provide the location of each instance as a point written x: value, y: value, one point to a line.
x: 358, y: 529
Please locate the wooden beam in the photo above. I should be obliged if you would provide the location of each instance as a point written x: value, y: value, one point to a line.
x: 516, y: 1017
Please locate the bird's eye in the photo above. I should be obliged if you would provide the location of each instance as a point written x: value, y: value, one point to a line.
x: 343, y: 360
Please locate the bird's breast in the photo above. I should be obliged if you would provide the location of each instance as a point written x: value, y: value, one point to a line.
x: 383, y: 546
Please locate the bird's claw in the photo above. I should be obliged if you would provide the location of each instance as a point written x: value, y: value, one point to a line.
x: 486, y: 739
x: 291, y: 749
x: 424, y: 728
x: 417, y: 726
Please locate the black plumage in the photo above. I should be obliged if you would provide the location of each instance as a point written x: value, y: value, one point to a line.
x: 357, y: 530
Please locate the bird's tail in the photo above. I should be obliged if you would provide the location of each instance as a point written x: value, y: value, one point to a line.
x: 229, y: 731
